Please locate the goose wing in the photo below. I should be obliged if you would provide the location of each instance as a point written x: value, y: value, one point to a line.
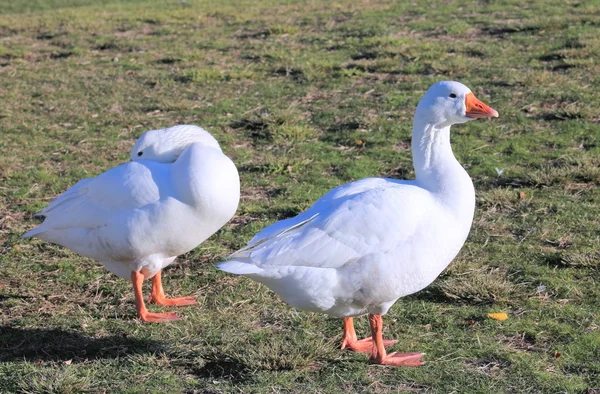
x: 372, y: 215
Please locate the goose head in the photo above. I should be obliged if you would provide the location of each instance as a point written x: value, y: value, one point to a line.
x: 446, y: 103
x: 166, y: 145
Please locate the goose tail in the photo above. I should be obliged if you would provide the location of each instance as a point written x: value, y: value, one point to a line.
x: 239, y: 267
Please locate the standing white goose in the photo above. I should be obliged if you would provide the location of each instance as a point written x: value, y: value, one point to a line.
x: 137, y: 217
x: 367, y: 243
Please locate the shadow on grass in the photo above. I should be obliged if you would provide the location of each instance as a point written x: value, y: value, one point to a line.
x: 4, y: 297
x: 38, y: 344
x: 223, y: 367
x: 434, y: 294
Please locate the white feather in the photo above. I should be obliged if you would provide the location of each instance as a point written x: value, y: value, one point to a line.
x: 367, y: 243
x: 140, y: 215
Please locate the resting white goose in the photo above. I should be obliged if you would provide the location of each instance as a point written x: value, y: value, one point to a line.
x: 137, y: 217
x: 367, y: 243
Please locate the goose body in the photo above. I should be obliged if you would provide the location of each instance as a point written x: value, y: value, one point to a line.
x: 358, y: 249
x: 137, y: 217
x: 365, y: 244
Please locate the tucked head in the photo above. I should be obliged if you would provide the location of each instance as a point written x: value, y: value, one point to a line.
x: 165, y: 145
x: 446, y: 103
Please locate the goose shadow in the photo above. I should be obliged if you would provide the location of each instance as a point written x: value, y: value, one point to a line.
x: 6, y: 297
x: 223, y: 367
x: 40, y: 344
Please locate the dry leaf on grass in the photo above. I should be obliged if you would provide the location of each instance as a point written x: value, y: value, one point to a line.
x: 498, y: 316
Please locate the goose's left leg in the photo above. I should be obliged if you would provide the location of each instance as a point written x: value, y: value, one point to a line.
x: 158, y: 294
x: 378, y: 354
x: 351, y: 341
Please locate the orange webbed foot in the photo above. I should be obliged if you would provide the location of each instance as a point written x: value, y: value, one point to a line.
x: 400, y: 359
x: 158, y: 294
x: 364, y: 345
x: 179, y: 301
x: 149, y: 317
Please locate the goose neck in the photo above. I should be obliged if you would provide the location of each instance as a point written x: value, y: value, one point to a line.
x: 432, y: 153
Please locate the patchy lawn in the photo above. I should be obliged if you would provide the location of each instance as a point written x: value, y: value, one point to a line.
x: 304, y: 97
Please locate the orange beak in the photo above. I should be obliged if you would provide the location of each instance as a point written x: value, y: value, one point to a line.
x: 477, y: 109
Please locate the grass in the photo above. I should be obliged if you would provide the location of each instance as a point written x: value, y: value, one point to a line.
x: 304, y: 97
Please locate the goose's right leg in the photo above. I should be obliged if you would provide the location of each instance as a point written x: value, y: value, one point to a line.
x: 158, y: 294
x: 379, y: 355
x: 351, y: 341
x: 137, y: 278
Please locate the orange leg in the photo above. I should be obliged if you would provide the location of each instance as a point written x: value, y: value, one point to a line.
x: 351, y: 341
x: 137, y: 278
x: 158, y: 295
x: 378, y: 355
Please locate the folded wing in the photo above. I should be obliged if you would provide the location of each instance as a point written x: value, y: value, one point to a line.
x: 349, y: 222
x: 91, y: 202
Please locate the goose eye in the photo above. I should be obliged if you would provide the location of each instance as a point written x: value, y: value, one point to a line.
x: 140, y: 153
x: 452, y: 95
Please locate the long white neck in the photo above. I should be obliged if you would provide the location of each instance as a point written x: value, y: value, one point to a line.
x: 436, y: 168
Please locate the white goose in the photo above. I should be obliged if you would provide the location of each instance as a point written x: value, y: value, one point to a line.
x: 365, y: 244
x: 137, y: 217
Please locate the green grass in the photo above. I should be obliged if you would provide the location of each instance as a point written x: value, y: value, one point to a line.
x: 304, y: 97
